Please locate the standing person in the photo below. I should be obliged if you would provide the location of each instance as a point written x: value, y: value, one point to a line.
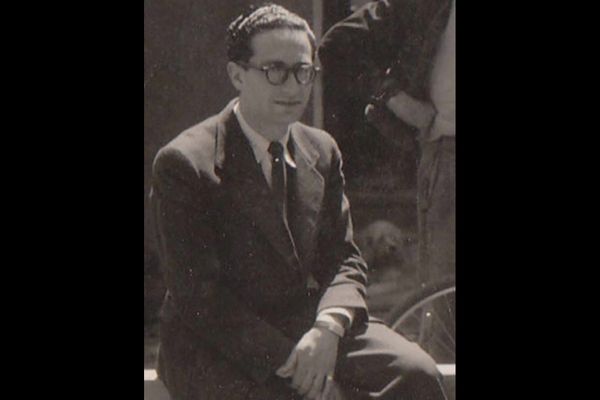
x: 397, y: 58
x: 265, y: 286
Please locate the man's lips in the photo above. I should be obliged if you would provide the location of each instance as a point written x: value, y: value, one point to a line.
x: 288, y: 103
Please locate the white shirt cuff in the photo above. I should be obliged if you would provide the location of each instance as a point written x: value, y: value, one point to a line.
x: 340, y: 316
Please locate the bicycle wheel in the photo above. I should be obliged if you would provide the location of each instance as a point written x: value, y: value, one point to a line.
x: 428, y: 318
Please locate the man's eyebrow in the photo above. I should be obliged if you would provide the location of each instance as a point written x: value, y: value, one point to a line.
x: 271, y: 62
x: 281, y: 63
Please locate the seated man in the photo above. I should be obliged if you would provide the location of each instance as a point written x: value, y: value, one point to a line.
x: 265, y: 286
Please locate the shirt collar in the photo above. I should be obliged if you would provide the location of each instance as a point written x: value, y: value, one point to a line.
x: 260, y: 145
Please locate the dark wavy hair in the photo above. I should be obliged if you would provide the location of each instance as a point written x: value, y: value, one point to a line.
x: 254, y: 20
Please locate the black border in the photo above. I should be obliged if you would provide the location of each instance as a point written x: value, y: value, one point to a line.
x: 79, y: 188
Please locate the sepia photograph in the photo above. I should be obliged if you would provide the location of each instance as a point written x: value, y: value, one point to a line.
x: 299, y: 209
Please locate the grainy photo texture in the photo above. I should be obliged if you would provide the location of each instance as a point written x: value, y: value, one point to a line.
x: 300, y: 199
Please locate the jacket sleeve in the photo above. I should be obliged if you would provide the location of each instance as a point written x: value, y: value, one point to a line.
x: 184, y: 216
x: 347, y: 286
x: 372, y: 51
x: 367, y: 43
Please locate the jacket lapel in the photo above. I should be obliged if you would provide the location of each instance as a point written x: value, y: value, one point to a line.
x: 243, y: 180
x: 309, y: 194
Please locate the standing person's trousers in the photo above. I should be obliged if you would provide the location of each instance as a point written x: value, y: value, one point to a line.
x: 437, y: 209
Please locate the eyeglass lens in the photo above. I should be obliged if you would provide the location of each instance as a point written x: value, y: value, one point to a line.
x: 278, y: 74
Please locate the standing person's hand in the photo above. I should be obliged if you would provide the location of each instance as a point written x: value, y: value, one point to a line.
x: 412, y: 111
x: 312, y: 360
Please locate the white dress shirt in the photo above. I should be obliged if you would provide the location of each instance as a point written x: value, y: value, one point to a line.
x: 443, y: 81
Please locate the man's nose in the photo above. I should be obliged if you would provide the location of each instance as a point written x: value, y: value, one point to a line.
x: 291, y: 85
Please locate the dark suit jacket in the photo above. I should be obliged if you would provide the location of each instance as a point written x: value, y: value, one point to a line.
x: 237, y: 298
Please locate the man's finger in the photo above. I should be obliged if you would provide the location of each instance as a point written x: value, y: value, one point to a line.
x: 326, y: 394
x: 287, y: 369
x: 307, y: 384
x: 299, y: 374
x: 317, y: 386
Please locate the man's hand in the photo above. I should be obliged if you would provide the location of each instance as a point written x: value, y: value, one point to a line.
x: 412, y: 111
x: 312, y: 360
x: 331, y: 391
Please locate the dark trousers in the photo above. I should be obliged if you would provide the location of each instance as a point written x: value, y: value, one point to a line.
x: 379, y: 364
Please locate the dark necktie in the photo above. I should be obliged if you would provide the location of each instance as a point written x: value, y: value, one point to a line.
x: 278, y: 177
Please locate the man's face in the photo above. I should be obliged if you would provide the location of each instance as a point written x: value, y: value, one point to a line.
x: 263, y: 104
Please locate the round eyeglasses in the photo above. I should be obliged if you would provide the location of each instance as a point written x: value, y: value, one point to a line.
x: 278, y: 73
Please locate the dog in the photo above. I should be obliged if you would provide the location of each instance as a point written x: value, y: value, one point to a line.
x: 391, y: 256
x: 383, y: 244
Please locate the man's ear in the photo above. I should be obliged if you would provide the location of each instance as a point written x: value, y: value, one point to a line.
x: 235, y: 72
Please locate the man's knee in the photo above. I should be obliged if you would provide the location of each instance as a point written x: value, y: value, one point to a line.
x: 417, y: 364
x: 416, y: 376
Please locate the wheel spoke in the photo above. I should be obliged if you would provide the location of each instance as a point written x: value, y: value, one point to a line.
x: 451, y: 306
x: 450, y: 350
x: 423, y: 321
x: 442, y: 323
x: 430, y: 318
